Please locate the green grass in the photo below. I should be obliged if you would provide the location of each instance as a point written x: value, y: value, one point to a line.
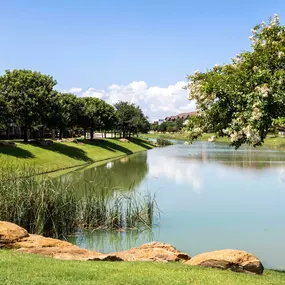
x: 69, y: 154
x: 270, y: 141
x: 17, y: 268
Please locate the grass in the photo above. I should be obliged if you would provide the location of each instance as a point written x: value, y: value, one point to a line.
x: 55, y: 207
x: 24, y: 269
x: 62, y: 155
x: 270, y: 141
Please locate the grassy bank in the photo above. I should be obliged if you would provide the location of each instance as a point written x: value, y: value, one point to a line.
x: 16, y: 268
x: 62, y: 155
x: 270, y: 141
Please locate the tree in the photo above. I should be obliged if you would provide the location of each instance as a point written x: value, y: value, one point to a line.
x: 95, y: 114
x: 62, y: 112
x: 4, y: 112
x: 28, y: 94
x: 130, y: 119
x: 242, y: 99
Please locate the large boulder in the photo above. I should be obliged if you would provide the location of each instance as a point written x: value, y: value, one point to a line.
x: 154, y: 251
x: 235, y: 260
x: 10, y: 233
x: 70, y: 253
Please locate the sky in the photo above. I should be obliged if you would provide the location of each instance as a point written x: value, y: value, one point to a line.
x: 137, y: 51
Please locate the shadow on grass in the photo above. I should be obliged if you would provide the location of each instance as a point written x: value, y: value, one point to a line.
x: 108, y: 145
x: 71, y: 151
x: 16, y: 152
x: 142, y: 143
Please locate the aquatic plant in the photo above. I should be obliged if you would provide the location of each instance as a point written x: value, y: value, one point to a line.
x: 163, y: 142
x: 54, y: 207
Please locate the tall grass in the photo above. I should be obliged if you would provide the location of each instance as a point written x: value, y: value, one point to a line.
x: 54, y: 207
x: 161, y: 141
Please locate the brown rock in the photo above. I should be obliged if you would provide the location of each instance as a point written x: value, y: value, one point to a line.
x: 154, y: 251
x: 235, y: 260
x: 124, y: 140
x: 70, y: 253
x: 37, y: 241
x: 10, y: 233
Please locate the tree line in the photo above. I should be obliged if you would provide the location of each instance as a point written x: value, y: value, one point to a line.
x: 168, y: 126
x: 28, y: 99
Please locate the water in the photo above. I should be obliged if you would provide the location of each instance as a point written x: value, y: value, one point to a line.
x: 212, y: 197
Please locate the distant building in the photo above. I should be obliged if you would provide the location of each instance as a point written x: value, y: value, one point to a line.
x: 183, y: 116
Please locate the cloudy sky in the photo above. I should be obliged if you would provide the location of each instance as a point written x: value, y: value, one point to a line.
x: 157, y: 102
x: 136, y: 50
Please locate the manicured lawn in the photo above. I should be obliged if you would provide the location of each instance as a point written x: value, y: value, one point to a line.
x: 271, y: 141
x: 68, y: 154
x: 17, y: 268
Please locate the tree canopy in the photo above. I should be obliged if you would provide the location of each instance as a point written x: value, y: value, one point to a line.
x: 243, y: 99
x: 28, y: 100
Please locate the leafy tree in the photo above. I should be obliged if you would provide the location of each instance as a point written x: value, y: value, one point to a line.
x: 4, y: 112
x: 130, y: 119
x: 28, y: 94
x: 178, y: 124
x: 62, y: 112
x: 242, y: 99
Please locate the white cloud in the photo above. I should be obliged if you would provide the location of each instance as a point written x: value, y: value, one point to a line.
x: 74, y: 90
x: 157, y: 102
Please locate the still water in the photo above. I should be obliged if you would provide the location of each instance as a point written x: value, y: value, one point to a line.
x: 211, y: 197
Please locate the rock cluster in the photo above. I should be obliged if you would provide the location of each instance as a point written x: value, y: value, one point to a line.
x: 16, y: 238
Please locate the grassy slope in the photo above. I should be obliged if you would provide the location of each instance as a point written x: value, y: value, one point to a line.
x: 278, y: 142
x: 17, y: 268
x: 69, y: 154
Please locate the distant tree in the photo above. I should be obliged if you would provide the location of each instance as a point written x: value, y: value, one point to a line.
x: 28, y: 94
x: 130, y: 119
x: 179, y: 124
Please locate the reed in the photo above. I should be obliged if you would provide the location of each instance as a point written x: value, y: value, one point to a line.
x: 53, y: 207
x: 161, y: 141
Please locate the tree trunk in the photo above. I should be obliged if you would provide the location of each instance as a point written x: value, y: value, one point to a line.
x: 105, y: 135
x: 60, y: 134
x: 91, y: 134
x: 84, y: 134
x: 26, y: 129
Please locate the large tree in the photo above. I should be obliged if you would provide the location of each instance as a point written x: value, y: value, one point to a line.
x: 62, y: 112
x: 130, y: 119
x: 4, y: 112
x: 243, y: 99
x: 28, y: 94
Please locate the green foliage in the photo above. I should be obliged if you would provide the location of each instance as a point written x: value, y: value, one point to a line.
x: 28, y: 93
x: 27, y: 99
x: 163, y: 142
x: 241, y: 100
x: 53, y: 207
x: 130, y: 119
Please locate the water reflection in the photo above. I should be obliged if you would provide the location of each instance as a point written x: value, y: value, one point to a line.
x: 212, y: 197
x: 115, y: 240
x: 123, y: 174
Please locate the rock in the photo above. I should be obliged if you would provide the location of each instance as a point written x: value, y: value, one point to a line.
x: 235, y: 260
x: 70, y: 253
x: 38, y: 241
x: 10, y: 233
x: 44, y: 142
x: 8, y: 144
x: 154, y: 251
x: 124, y: 140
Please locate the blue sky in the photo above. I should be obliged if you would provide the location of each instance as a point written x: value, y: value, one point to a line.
x: 135, y: 50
